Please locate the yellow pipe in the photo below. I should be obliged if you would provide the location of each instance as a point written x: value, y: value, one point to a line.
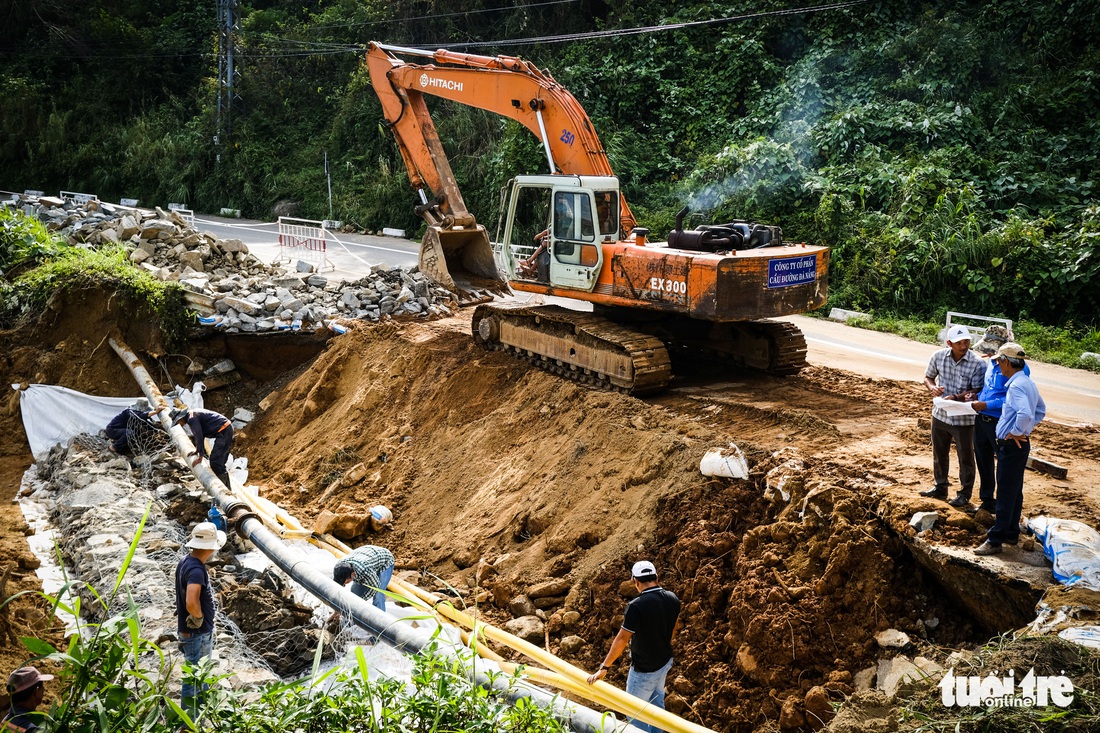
x: 561, y: 674
x: 598, y: 693
x: 624, y: 703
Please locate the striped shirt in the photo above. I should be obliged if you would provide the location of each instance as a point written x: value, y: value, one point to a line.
x: 366, y: 563
x: 968, y: 373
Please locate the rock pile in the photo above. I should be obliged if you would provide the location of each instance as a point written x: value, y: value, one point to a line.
x: 93, y: 497
x: 229, y: 287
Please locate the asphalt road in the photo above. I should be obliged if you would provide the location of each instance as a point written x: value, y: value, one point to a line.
x: 351, y: 255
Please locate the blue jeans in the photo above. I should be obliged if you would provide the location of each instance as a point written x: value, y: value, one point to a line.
x: 194, y: 648
x: 648, y: 686
x: 379, y: 599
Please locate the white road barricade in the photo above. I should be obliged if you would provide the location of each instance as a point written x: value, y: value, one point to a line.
x: 304, y: 239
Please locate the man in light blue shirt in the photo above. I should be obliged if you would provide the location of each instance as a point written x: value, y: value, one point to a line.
x: 988, y: 407
x: 1023, y: 409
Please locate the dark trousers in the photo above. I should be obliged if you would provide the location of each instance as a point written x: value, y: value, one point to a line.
x: 1011, y: 462
x: 963, y: 436
x: 219, y: 454
x: 985, y: 452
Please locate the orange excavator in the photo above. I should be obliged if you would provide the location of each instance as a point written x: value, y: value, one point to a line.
x: 570, y: 233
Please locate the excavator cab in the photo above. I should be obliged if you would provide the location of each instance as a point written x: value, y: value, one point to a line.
x: 566, y: 252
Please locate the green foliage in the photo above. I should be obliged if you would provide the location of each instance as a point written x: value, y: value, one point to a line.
x: 23, y: 240
x: 947, y: 152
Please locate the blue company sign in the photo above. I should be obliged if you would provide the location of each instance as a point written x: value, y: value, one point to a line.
x: 792, y: 271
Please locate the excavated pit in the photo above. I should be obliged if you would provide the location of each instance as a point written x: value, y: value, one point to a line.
x: 527, y: 495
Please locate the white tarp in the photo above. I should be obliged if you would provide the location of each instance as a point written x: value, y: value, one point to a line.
x: 53, y: 415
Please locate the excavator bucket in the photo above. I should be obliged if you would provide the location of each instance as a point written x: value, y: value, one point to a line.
x: 461, y: 259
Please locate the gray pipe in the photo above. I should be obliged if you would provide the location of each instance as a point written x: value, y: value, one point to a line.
x: 363, y: 613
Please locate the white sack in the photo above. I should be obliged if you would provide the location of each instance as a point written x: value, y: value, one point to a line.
x: 1073, y: 547
x: 725, y: 462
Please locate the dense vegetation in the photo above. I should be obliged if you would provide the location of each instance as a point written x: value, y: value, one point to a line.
x: 946, y: 151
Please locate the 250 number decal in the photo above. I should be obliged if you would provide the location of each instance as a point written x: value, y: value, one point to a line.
x: 676, y: 287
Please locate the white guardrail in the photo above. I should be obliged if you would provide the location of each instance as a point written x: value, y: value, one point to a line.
x: 976, y: 332
x: 186, y: 214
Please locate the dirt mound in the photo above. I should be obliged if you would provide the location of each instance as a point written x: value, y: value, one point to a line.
x: 487, y: 462
x: 518, y: 490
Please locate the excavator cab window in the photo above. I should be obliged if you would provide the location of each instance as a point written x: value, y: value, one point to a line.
x: 573, y: 217
x: 607, y: 214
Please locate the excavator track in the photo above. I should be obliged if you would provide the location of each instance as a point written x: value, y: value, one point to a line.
x: 773, y: 347
x: 579, y: 346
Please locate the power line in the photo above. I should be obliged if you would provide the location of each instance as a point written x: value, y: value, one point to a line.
x: 388, y: 21
x: 658, y: 28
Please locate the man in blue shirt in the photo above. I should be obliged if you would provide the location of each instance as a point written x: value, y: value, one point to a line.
x: 988, y: 408
x: 1022, y: 410
x: 208, y: 424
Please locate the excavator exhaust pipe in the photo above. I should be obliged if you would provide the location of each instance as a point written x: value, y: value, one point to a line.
x: 461, y: 259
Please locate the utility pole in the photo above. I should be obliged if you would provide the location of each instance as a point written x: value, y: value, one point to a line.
x: 227, y: 71
x: 328, y: 177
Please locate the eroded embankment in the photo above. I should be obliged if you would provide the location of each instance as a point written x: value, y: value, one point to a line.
x: 503, y: 477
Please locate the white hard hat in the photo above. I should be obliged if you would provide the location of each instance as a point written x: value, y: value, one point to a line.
x: 206, y: 536
x: 381, y: 513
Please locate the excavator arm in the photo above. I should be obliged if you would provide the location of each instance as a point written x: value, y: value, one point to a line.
x: 506, y: 85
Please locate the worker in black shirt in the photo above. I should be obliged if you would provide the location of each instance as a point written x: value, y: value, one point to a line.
x: 649, y: 623
x: 133, y: 427
x: 25, y: 686
x: 208, y: 424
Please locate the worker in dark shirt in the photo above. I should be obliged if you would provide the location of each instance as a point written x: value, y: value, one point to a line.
x: 132, y: 428
x: 26, y: 688
x: 649, y: 623
x: 195, y: 610
x: 208, y: 424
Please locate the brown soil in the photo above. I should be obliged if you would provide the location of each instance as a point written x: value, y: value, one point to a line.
x: 483, y: 458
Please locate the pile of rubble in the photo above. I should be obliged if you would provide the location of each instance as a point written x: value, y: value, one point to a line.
x: 229, y: 287
x: 96, y: 505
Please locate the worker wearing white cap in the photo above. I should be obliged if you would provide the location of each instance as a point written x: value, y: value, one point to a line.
x: 954, y: 373
x: 649, y: 623
x: 380, y: 518
x: 195, y: 609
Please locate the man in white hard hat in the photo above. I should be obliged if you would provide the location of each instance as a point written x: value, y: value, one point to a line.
x: 954, y: 373
x: 195, y: 609
x: 649, y: 623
